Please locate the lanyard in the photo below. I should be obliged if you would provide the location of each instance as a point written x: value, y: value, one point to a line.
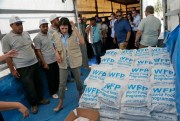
x: 94, y: 29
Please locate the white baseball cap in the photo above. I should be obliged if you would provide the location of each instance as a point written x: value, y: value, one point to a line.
x: 14, y: 19
x: 43, y: 21
x: 52, y: 17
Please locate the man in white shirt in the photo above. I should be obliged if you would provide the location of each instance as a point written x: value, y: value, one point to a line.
x: 113, y: 20
x: 136, y: 21
x: 94, y: 35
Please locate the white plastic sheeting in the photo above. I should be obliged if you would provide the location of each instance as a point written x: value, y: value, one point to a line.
x: 32, y: 19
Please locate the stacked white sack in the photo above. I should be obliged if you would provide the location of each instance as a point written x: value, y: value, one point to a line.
x: 110, y: 97
x: 98, y: 74
x: 133, y: 71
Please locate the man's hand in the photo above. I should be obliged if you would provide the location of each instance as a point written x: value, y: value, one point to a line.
x: 15, y: 73
x: 45, y: 66
x: 125, y: 44
x: 114, y: 41
x: 58, y: 58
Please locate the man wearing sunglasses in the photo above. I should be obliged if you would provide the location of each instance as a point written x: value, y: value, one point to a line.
x: 122, y: 31
x: 24, y: 66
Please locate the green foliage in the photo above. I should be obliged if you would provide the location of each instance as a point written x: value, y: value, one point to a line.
x: 158, y: 6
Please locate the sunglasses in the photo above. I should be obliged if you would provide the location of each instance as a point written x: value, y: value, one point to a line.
x: 18, y: 24
x: 118, y: 16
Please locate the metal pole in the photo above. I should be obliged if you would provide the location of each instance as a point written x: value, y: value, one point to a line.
x: 164, y: 3
x: 141, y: 8
x: 96, y: 7
x: 126, y: 10
x: 76, y: 13
x: 111, y: 7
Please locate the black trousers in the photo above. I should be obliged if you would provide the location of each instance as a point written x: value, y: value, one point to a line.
x: 30, y: 78
x: 1, y: 117
x: 112, y: 44
x: 53, y: 77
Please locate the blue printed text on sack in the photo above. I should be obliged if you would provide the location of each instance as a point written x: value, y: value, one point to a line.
x: 99, y: 73
x: 163, y: 90
x: 111, y: 53
x: 137, y: 87
x: 163, y: 71
x: 107, y: 60
x: 92, y: 90
x: 140, y: 70
x: 116, y: 75
x: 112, y: 86
x: 125, y: 59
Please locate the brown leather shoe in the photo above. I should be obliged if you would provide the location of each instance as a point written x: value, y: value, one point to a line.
x: 44, y: 101
x: 34, y: 109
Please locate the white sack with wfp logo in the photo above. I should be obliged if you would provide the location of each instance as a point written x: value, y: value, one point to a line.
x: 109, y: 112
x: 139, y: 74
x: 125, y: 61
x: 120, y: 74
x: 163, y: 99
x: 138, y: 94
x: 89, y: 98
x: 161, y: 61
x: 157, y: 51
x: 108, y: 60
x: 136, y: 111
x: 111, y: 92
x: 143, y: 62
x: 143, y: 53
x: 97, y: 74
x: 113, y: 52
x: 128, y: 52
x: 164, y: 116
x: 162, y: 75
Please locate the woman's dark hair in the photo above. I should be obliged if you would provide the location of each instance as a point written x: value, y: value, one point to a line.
x: 131, y: 18
x: 65, y: 21
x: 113, y: 14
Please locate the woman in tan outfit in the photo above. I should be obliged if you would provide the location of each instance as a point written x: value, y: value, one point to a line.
x: 69, y: 56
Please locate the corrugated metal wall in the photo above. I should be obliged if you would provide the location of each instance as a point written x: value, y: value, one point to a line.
x: 173, y: 20
x: 31, y: 11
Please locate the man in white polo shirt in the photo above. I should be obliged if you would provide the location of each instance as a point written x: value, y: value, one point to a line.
x: 46, y: 53
x: 149, y: 29
x: 54, y: 19
x: 24, y: 66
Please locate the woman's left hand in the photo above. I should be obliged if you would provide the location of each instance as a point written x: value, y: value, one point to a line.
x: 72, y: 24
